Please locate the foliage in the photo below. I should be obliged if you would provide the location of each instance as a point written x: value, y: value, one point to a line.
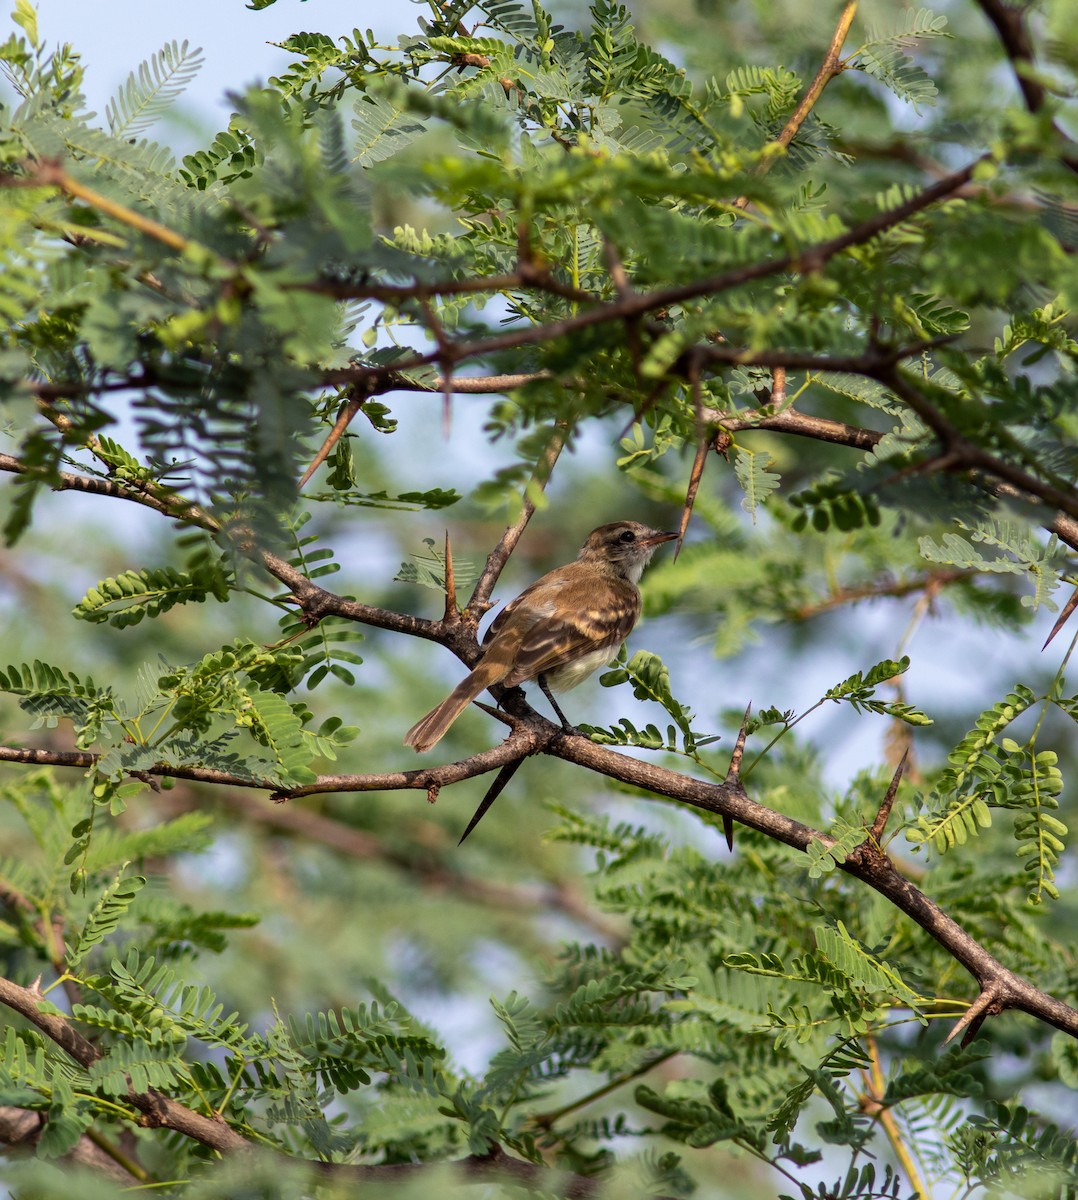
x: 520, y: 261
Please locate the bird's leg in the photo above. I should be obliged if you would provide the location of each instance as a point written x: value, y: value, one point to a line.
x: 566, y: 727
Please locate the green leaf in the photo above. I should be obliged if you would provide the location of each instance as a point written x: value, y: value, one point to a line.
x: 150, y: 89
x: 106, y: 915
x: 126, y: 599
x: 757, y: 482
x: 429, y: 570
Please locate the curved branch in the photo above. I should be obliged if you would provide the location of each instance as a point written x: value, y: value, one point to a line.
x: 638, y: 304
x: 157, y: 1110
x: 1010, y: 26
x: 870, y: 865
x: 424, y: 779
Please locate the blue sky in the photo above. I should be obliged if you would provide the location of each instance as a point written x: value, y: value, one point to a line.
x: 114, y: 37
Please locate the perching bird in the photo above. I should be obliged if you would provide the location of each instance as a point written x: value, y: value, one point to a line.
x: 561, y: 629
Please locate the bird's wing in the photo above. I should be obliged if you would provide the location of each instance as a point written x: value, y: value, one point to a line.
x: 557, y: 625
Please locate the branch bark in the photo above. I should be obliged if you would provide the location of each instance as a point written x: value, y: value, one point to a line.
x: 533, y: 732
x: 157, y: 1111
x: 1010, y: 26
x: 21, y: 1129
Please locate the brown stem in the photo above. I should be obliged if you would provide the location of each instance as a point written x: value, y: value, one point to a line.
x: 1010, y: 25
x: 514, y: 747
x: 872, y: 1103
x: 636, y: 304
x: 829, y: 68
x: 157, y: 1110
x: 49, y: 172
x: 930, y: 582
x: 499, y: 556
x: 20, y: 1128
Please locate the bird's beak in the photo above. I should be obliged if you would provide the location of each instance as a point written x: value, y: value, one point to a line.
x: 656, y: 539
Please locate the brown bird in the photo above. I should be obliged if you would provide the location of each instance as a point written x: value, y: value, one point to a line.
x: 561, y: 629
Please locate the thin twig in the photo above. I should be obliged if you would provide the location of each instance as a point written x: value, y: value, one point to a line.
x: 831, y: 66
x: 884, y: 813
x: 345, y: 416
x: 930, y: 581
x: 499, y: 556
x: 703, y: 445
x: 49, y: 172
x: 872, y: 1103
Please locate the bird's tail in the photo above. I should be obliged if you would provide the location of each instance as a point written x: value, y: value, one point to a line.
x: 430, y: 730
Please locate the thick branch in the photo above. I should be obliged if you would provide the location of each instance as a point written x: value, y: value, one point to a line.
x: 422, y: 779
x: 1010, y: 26
x: 157, y: 1110
x: 638, y: 304
x: 874, y: 869
x: 21, y: 1128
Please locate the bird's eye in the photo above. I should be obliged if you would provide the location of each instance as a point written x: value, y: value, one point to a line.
x: 627, y: 536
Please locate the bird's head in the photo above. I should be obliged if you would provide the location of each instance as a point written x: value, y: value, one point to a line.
x: 627, y: 546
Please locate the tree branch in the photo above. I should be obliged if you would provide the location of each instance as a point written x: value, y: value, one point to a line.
x: 424, y: 779
x: 158, y: 1112
x: 930, y: 582
x: 829, y: 68
x: 868, y: 864
x: 20, y: 1127
x: 1010, y: 26
x: 637, y: 304
x: 800, y: 424
x: 967, y: 454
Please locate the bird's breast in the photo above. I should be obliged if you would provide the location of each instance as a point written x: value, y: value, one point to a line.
x: 561, y: 679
